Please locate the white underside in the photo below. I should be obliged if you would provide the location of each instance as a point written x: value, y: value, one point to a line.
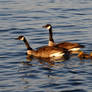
x: 74, y: 49
x: 58, y: 54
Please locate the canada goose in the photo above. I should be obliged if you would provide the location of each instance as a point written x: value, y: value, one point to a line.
x: 73, y: 47
x: 83, y: 55
x: 91, y: 55
x: 45, y: 51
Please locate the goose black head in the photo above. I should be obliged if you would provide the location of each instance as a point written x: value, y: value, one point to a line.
x: 20, y: 37
x: 47, y: 26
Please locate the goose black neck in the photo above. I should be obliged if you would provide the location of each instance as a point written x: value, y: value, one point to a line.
x: 51, y: 35
x: 27, y: 44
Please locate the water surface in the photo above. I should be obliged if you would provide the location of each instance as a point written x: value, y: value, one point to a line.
x: 71, y: 21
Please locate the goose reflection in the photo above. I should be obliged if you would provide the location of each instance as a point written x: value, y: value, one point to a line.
x: 46, y: 61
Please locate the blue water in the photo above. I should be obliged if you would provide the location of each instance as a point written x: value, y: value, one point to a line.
x: 71, y: 21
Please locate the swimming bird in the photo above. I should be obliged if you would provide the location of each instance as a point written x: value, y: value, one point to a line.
x: 83, y: 55
x: 73, y: 47
x: 44, y: 51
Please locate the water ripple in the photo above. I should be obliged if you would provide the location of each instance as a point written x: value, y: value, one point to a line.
x: 71, y: 20
x: 75, y: 90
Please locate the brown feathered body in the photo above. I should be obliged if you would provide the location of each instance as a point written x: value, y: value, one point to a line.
x: 73, y: 47
x: 70, y: 46
x: 45, y: 51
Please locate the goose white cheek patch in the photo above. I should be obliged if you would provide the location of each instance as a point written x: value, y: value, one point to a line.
x: 48, y: 27
x: 22, y: 38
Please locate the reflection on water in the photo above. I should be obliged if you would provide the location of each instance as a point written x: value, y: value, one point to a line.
x: 71, y: 21
x: 50, y: 61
